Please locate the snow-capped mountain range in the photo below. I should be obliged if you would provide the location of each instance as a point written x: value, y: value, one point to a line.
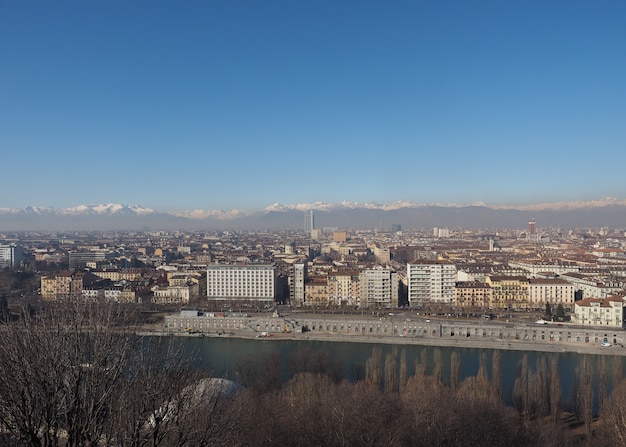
x: 602, y: 212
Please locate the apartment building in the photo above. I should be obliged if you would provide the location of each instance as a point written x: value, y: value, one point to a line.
x: 472, y: 295
x: 343, y: 287
x: 553, y: 291
x: 252, y: 283
x: 604, y: 312
x: 296, y: 284
x: 430, y: 281
x: 316, y: 293
x: 378, y: 288
x: 11, y: 256
x: 509, y: 292
x: 62, y: 285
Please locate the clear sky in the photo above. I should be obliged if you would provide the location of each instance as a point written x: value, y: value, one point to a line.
x: 240, y: 104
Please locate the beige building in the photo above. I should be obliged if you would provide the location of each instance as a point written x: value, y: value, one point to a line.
x: 62, y: 285
x: 553, y: 291
x: 509, y: 292
x: 316, y: 293
x: 171, y: 294
x: 607, y: 312
x: 472, y: 294
x: 340, y: 236
x: 343, y: 288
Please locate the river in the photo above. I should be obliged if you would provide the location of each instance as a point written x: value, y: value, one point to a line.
x: 222, y: 354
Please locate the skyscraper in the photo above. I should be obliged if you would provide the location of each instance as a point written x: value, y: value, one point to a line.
x: 309, y: 221
x: 532, y: 232
x: 11, y: 256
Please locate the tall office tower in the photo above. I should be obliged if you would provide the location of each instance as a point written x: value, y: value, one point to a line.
x: 532, y: 231
x: 11, y: 256
x: 309, y: 221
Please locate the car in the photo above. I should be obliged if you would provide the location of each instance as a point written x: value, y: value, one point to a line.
x: 606, y: 344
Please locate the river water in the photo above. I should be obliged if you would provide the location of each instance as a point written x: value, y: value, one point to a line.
x: 222, y: 354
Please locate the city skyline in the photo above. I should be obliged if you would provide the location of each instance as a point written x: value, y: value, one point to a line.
x: 239, y: 105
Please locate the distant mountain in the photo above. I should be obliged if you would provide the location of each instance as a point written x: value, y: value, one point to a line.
x: 609, y: 212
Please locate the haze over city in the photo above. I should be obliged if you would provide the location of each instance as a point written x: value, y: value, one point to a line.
x: 240, y: 105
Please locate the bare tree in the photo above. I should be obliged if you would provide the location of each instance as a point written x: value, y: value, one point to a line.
x: 391, y: 372
x: 482, y: 366
x: 421, y: 363
x: 584, y: 394
x: 520, y: 389
x: 618, y: 371
x: 455, y: 370
x: 404, y: 374
x: 555, y: 389
x: 438, y: 365
x: 602, y: 380
x: 71, y: 376
x: 374, y: 367
x: 613, y: 416
x: 62, y: 374
x: 496, y: 371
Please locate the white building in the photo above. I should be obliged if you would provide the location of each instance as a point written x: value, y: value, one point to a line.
x: 378, y: 287
x: 169, y: 294
x: 553, y: 291
x: 606, y: 312
x: 296, y: 284
x: 11, y: 256
x: 430, y: 281
x: 594, y: 287
x: 253, y: 283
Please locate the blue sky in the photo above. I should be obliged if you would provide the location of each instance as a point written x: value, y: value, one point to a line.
x: 240, y: 104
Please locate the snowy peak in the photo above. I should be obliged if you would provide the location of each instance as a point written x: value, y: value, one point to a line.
x: 107, y: 210
x: 80, y: 210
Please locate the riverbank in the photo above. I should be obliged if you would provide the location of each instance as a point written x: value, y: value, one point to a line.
x: 473, y: 343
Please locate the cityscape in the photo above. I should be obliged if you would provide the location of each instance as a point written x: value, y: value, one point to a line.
x: 483, y: 272
x: 286, y: 223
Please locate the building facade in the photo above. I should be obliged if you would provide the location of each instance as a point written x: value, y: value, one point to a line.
x: 472, y: 295
x: 11, y: 256
x: 343, y: 287
x: 378, y: 288
x: 253, y: 283
x: 63, y: 285
x: 296, y: 284
x: 607, y: 312
x: 509, y: 292
x: 553, y: 291
x: 430, y: 281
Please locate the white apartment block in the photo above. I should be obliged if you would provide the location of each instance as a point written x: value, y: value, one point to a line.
x: 343, y: 287
x: 378, y: 287
x: 11, y: 256
x: 593, y: 287
x: 605, y: 312
x: 296, y: 284
x: 430, y: 281
x: 246, y: 282
x: 537, y: 266
x: 553, y: 291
